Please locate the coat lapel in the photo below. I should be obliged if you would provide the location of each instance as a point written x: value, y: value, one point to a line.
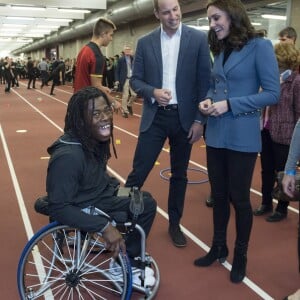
x: 237, y: 57
x: 184, y: 42
x: 156, y: 46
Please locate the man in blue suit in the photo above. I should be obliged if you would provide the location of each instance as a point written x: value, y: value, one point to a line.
x: 123, y: 74
x: 171, y: 72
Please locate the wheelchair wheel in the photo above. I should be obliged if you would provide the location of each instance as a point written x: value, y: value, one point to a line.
x: 60, y: 262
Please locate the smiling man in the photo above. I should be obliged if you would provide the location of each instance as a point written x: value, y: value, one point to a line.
x: 171, y: 71
x: 77, y: 176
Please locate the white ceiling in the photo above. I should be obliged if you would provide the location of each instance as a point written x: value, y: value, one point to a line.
x: 23, y: 21
x: 20, y: 26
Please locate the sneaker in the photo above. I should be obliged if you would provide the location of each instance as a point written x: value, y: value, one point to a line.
x: 177, y: 236
x: 116, y: 274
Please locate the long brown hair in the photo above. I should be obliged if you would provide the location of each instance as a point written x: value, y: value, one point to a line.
x: 241, y: 29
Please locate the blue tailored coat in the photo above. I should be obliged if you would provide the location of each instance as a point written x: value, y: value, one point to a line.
x: 249, y: 79
x: 192, y: 77
x: 121, y: 72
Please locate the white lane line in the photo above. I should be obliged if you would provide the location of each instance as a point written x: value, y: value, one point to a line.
x: 253, y: 286
x: 197, y: 241
x: 25, y: 217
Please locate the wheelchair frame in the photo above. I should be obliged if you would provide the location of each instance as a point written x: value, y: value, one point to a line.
x: 60, y: 262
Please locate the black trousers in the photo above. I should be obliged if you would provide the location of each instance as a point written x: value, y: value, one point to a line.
x: 111, y: 204
x: 273, y: 158
x: 31, y: 78
x: 166, y: 124
x: 230, y: 175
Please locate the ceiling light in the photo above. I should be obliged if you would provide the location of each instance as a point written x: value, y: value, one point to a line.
x: 28, y: 8
x: 13, y: 25
x: 255, y: 23
x: 34, y: 35
x: 40, y: 30
x: 83, y: 11
x: 20, y: 18
x: 11, y: 29
x: 204, y: 27
x: 274, y: 17
x: 48, y: 26
x: 58, y: 20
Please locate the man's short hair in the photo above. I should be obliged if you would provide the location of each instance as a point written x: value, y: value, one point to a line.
x: 289, y: 32
x: 102, y: 26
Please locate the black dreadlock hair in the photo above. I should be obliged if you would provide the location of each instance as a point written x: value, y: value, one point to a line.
x: 77, y: 125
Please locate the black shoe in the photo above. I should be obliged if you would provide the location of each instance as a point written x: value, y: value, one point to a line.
x: 125, y: 115
x: 28, y: 88
x: 215, y: 253
x: 238, y: 270
x: 209, y: 201
x: 276, y: 217
x: 52, y: 94
x: 177, y: 236
x: 130, y: 110
x: 262, y: 210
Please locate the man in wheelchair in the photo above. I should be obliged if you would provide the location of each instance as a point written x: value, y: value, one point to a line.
x: 77, y: 177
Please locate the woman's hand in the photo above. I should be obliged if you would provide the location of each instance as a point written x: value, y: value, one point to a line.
x: 215, y: 109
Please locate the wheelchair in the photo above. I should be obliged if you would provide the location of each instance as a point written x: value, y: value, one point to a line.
x: 60, y: 262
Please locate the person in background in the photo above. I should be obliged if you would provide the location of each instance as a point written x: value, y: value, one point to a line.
x: 44, y: 69
x: 289, y: 184
x: 278, y: 125
x: 90, y: 62
x: 77, y: 178
x: 171, y: 72
x: 245, y: 79
x: 288, y: 35
x: 8, y: 74
x: 30, y: 73
x: 56, y: 70
x: 122, y: 76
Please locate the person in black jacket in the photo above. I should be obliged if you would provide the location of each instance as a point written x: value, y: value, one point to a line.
x: 31, y: 73
x: 57, y: 67
x: 77, y: 176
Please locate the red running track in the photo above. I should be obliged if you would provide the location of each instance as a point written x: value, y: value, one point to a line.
x: 30, y: 120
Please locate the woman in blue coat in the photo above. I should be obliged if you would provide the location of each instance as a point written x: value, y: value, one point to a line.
x: 245, y: 79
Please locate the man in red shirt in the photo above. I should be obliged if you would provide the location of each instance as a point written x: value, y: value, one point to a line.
x: 91, y: 62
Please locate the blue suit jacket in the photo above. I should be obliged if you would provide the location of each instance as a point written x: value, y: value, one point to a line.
x: 121, y: 72
x: 250, y: 80
x: 192, y: 78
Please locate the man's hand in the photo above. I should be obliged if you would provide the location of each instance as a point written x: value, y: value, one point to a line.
x: 195, y: 132
x: 114, y: 241
x: 162, y: 96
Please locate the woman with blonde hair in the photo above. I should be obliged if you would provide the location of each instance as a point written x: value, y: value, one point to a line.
x: 279, y: 125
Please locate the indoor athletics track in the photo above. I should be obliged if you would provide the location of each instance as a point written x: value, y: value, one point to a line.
x: 30, y: 120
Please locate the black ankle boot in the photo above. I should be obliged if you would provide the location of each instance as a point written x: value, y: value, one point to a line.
x: 215, y: 252
x: 238, y: 271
